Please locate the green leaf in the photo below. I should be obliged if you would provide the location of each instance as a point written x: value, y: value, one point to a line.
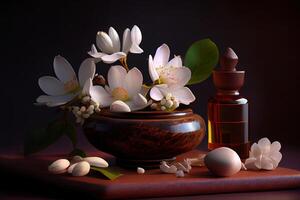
x: 109, y: 173
x: 70, y: 131
x: 201, y: 57
x: 77, y: 152
x: 39, y: 139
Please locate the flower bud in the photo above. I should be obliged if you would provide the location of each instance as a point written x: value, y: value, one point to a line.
x: 169, y: 104
x: 163, y: 102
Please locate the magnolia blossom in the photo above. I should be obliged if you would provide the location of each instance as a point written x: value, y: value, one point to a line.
x: 170, y: 77
x: 264, y: 155
x: 123, y: 93
x: 110, y: 44
x: 181, y: 94
x: 67, y: 86
x: 171, y: 72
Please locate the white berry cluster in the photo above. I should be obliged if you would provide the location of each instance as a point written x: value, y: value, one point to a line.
x: 168, y: 103
x: 85, y: 110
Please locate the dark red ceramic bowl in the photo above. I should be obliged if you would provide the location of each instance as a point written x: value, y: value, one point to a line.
x: 145, y: 138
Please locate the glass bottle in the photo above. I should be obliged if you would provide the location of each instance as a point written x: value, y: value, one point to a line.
x: 228, y: 110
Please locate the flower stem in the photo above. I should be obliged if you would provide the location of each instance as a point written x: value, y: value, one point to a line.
x: 124, y: 63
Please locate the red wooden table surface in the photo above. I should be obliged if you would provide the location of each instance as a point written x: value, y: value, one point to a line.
x: 151, y: 184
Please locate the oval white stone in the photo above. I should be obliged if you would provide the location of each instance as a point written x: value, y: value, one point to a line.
x: 59, y: 166
x: 96, y: 161
x: 223, y: 162
x: 81, y: 169
x: 140, y: 170
x: 70, y: 169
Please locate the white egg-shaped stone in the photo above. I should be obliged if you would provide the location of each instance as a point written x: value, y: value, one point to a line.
x: 71, y: 167
x: 140, y: 170
x: 223, y: 161
x: 96, y: 161
x: 81, y: 169
x: 59, y: 166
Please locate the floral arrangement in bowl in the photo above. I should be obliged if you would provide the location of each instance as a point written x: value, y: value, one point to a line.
x: 89, y: 94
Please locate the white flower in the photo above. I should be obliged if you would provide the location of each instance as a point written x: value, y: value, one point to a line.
x: 110, y: 44
x: 171, y: 72
x: 123, y: 91
x: 67, y: 86
x: 264, y: 155
x: 180, y: 94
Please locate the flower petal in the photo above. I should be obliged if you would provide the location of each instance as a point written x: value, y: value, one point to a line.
x: 87, y: 87
x: 63, y: 69
x: 116, y: 76
x: 119, y: 106
x: 133, y: 81
x: 276, y: 156
x: 265, y: 145
x: 266, y: 163
x: 257, y: 163
x: 175, y: 62
x: 176, y: 77
x: 94, y: 53
x: 250, y: 164
x: 53, y: 101
x: 156, y: 94
x: 51, y: 85
x: 126, y: 41
x: 86, y: 71
x: 275, y: 146
x: 138, y: 102
x: 101, y: 96
x: 136, y: 49
x: 184, y: 95
x: 113, y: 57
x: 162, y: 55
x: 115, y: 39
x: 136, y: 35
x: 104, y: 43
x: 152, y: 71
x: 255, y: 150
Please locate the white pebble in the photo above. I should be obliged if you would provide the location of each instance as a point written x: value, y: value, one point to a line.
x: 81, y: 169
x: 97, y: 110
x: 140, y: 170
x: 70, y: 169
x: 163, y: 108
x: 96, y: 161
x: 179, y: 174
x: 59, y: 166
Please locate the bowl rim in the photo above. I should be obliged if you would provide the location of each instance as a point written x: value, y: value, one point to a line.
x: 145, y: 114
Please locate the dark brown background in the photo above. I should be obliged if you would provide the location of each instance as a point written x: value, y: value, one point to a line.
x: 264, y: 34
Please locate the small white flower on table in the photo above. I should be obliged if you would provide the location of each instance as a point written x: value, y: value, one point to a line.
x: 264, y: 155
